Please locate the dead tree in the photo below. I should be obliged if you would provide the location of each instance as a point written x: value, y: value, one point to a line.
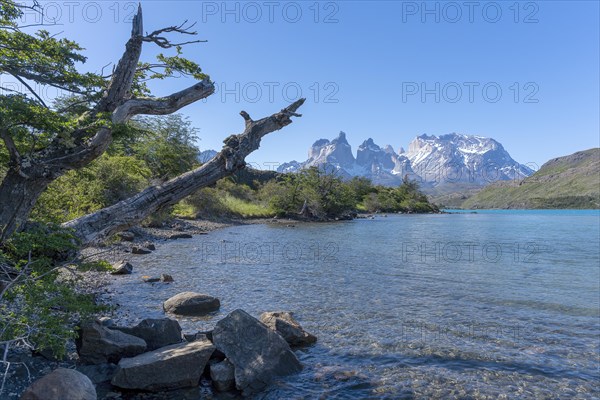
x: 120, y: 216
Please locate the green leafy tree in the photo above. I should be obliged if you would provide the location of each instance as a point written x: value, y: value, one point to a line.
x: 169, y: 146
x: 325, y: 194
x: 42, y: 142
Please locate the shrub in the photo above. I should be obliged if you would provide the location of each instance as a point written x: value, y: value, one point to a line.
x: 38, y: 308
x: 107, y: 180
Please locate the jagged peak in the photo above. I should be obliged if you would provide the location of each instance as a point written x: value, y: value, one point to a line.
x: 321, y: 143
x: 427, y: 155
x: 341, y: 139
x: 389, y: 149
x: 369, y: 144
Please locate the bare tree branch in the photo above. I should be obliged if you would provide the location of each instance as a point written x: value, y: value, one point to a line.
x: 82, y: 154
x: 163, y: 105
x: 164, y: 42
x: 120, y: 85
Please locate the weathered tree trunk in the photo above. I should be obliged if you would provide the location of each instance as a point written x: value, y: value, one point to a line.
x: 17, y: 198
x: 103, y: 223
x: 29, y: 175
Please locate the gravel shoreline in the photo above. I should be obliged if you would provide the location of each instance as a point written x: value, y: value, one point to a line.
x: 114, y: 251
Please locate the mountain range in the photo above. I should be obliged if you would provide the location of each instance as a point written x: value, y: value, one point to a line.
x: 436, y: 162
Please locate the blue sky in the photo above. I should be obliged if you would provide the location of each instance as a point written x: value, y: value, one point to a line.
x: 524, y: 73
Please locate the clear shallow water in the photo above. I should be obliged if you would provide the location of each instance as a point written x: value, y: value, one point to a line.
x: 486, y: 305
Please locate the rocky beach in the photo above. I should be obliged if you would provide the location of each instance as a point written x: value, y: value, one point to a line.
x: 113, y: 361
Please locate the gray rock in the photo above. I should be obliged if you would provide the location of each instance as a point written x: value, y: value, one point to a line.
x: 258, y: 353
x: 171, y: 367
x: 191, y: 337
x: 106, y: 321
x: 61, y: 384
x: 98, y: 373
x: 149, y: 246
x: 166, y: 278
x: 122, y: 268
x: 140, y: 250
x: 126, y: 236
x: 98, y: 345
x: 222, y: 375
x: 151, y: 279
x: 180, y: 236
x: 283, y: 322
x: 155, y: 332
x: 190, y: 303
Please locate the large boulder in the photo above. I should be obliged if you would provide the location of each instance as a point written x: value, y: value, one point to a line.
x: 98, y: 373
x: 122, y: 268
x: 61, y: 384
x: 140, y: 250
x: 155, y: 332
x: 171, y: 367
x: 283, y: 322
x: 258, y: 353
x: 191, y: 303
x: 126, y: 236
x: 222, y: 375
x: 98, y: 344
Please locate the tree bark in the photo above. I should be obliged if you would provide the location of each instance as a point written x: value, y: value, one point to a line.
x: 108, y: 221
x: 18, y: 195
x: 29, y: 175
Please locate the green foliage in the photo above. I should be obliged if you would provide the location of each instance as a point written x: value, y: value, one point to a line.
x: 42, y: 59
x: 226, y: 199
x: 246, y: 208
x: 41, y: 308
x: 168, y: 147
x: 98, y: 266
x: 9, y: 13
x: 149, y: 149
x: 170, y: 66
x: 158, y: 218
x: 207, y: 203
x: 184, y: 210
x: 326, y: 195
x: 405, y: 198
x: 105, y: 181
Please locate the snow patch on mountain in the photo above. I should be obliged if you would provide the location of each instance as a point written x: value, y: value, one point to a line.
x: 431, y: 160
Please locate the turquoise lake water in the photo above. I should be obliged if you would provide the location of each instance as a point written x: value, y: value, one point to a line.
x: 497, y: 304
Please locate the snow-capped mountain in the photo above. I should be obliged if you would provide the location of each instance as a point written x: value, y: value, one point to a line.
x: 206, y: 155
x: 431, y: 160
x: 455, y: 158
x: 337, y: 152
